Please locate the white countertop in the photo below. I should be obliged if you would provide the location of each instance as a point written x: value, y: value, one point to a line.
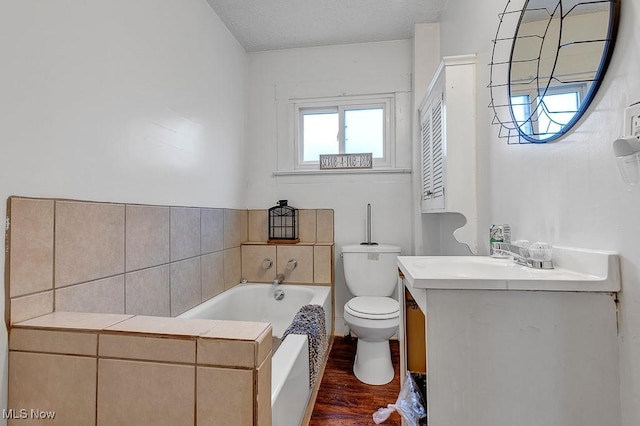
x: 575, y: 270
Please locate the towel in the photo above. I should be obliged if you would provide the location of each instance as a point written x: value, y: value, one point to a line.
x: 310, y: 320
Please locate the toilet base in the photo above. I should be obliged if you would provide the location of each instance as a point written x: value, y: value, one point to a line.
x: 373, y: 364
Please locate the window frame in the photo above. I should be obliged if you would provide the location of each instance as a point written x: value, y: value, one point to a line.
x: 341, y: 104
x: 526, y: 106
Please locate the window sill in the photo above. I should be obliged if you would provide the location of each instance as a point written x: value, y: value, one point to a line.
x: 317, y: 172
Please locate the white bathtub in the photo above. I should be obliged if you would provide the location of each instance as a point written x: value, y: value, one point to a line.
x: 290, y: 363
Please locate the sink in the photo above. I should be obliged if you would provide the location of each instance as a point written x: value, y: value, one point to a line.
x: 576, y: 270
x: 487, y: 268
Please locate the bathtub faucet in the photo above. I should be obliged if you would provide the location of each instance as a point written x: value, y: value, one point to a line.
x: 278, y: 279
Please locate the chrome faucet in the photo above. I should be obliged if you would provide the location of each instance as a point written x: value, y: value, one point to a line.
x: 521, y: 255
x: 278, y: 279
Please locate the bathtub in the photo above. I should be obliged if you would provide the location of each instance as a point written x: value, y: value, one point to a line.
x: 290, y: 363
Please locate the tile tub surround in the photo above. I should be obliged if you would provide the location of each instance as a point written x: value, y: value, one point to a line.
x: 314, y: 226
x: 109, y: 369
x: 315, y: 263
x: 84, y: 256
x: 314, y: 252
x: 92, y: 288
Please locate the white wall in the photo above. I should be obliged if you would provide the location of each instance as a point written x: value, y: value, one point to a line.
x: 568, y: 192
x: 122, y: 101
x: 348, y: 195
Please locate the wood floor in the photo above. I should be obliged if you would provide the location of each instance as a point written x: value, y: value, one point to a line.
x: 344, y: 400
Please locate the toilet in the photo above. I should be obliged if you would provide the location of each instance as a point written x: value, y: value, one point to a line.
x: 372, y: 315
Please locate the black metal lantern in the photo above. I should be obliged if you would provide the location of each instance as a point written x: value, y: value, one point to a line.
x: 283, y: 223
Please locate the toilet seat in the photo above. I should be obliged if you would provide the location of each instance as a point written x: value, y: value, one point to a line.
x: 373, y: 307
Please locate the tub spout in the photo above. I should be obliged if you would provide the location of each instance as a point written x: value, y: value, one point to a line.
x: 278, y: 279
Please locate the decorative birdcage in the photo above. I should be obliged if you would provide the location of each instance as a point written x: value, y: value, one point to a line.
x: 283, y: 223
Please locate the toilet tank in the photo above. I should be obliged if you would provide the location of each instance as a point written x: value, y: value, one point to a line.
x: 370, y: 270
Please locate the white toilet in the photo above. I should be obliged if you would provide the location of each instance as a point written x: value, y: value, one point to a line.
x: 372, y: 315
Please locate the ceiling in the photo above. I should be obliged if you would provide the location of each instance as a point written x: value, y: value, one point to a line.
x: 281, y: 24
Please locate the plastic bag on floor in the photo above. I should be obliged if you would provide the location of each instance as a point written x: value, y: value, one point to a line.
x: 409, y: 404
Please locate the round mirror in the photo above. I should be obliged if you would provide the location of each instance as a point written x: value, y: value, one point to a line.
x: 559, y: 52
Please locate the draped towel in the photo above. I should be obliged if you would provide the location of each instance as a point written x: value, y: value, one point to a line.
x: 310, y: 320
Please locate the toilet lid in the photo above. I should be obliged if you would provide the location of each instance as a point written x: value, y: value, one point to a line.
x: 374, y: 307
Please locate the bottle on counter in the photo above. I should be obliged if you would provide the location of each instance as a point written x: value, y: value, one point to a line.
x: 498, y: 234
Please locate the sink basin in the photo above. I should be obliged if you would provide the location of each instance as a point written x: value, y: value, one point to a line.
x: 576, y: 270
x: 487, y: 268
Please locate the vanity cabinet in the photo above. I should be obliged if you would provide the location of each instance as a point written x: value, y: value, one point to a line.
x: 447, y: 129
x: 501, y: 355
x: 416, y: 343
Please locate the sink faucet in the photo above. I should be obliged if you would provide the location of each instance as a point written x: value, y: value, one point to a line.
x: 278, y: 279
x: 521, y: 255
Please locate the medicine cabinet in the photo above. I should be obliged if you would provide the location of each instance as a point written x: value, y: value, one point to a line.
x: 448, y: 144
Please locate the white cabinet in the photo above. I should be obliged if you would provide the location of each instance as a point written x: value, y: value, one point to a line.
x: 433, y: 185
x: 505, y: 358
x: 448, y: 141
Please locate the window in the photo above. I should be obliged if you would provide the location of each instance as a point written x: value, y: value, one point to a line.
x: 521, y: 108
x: 556, y: 109
x: 546, y: 115
x: 344, y: 126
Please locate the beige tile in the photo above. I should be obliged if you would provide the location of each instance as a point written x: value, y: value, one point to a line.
x: 235, y: 227
x: 148, y: 292
x: 89, y: 241
x: 147, y: 348
x: 145, y: 393
x: 30, y: 246
x: 258, y: 230
x: 253, y: 257
x: 212, y: 221
x: 31, y: 306
x: 147, y: 236
x: 264, y: 345
x: 61, y: 383
x: 165, y: 326
x: 263, y: 398
x: 185, y: 232
x: 212, y: 274
x: 324, y: 233
x: 238, y: 330
x: 303, y: 273
x: 323, y: 264
x: 232, y: 391
x: 186, y: 285
x: 51, y: 341
x: 232, y: 267
x: 101, y: 296
x: 75, y: 320
x: 307, y: 226
x: 244, y: 226
x: 226, y: 353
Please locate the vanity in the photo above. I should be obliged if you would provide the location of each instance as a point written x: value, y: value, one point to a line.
x: 508, y: 345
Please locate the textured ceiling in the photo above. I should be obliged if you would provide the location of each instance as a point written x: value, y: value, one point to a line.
x: 281, y: 24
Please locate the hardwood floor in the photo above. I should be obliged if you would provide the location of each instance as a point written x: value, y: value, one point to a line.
x: 344, y: 400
